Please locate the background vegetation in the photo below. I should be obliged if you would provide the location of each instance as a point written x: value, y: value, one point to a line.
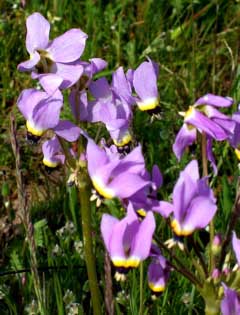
x: 196, y: 43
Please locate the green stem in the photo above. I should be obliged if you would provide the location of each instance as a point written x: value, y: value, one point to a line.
x: 211, y: 225
x: 141, y: 290
x: 84, y: 196
x: 70, y: 160
x: 210, y: 296
x: 180, y: 267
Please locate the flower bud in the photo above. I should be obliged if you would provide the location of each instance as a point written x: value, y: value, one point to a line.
x: 217, y: 244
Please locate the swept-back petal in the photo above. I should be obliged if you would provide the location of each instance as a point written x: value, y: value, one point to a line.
x: 67, y: 130
x: 38, y: 29
x: 205, y: 124
x: 100, y: 88
x: 158, y: 274
x: 199, y: 214
x: 29, y: 65
x: 96, y: 157
x: 186, y: 136
x: 236, y: 246
x: 143, y: 238
x: 107, y: 225
x: 118, y: 253
x: 157, y: 176
x: 133, y: 162
x: 210, y: 155
x: 69, y: 72
x: 67, y: 47
x: 46, y: 113
x: 121, y: 86
x: 145, y: 81
x: 184, y: 190
x: 27, y: 101
x: 214, y: 100
x: 230, y: 304
x: 50, y: 82
x: 127, y: 184
x: 52, y: 153
x: 164, y: 208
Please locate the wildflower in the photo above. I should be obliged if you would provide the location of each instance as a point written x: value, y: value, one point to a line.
x: 236, y: 247
x: 158, y: 272
x: 230, y: 304
x: 59, y: 56
x: 40, y: 110
x: 115, y: 177
x: 146, y: 200
x: 144, y: 80
x: 112, y: 106
x: 193, y: 202
x: 52, y: 152
x: 78, y: 96
x: 204, y: 117
x: 128, y: 241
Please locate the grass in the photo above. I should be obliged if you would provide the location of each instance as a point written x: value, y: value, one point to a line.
x: 196, y: 44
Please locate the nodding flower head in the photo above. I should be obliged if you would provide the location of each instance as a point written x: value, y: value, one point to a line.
x: 128, y: 241
x: 204, y: 117
x: 158, y: 273
x: 144, y: 80
x: 59, y: 56
x: 40, y: 110
x: 230, y: 304
x: 113, y: 176
x: 193, y: 204
x: 52, y: 152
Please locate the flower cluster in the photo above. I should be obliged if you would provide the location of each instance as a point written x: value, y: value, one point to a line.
x: 119, y: 170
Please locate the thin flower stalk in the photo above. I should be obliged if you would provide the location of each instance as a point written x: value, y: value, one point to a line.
x: 84, y: 197
x: 26, y: 219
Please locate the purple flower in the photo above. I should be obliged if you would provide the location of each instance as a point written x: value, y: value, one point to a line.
x: 158, y: 274
x: 113, y: 106
x: 128, y: 241
x: 78, y: 96
x: 40, y: 110
x: 115, y: 177
x: 234, y: 139
x: 144, y: 81
x: 59, y: 56
x: 193, y: 202
x: 230, y: 304
x: 146, y: 200
x: 204, y: 117
x: 67, y: 130
x: 236, y: 247
x: 52, y: 152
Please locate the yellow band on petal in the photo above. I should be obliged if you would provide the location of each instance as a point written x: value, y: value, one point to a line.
x: 101, y: 188
x: 156, y: 288
x: 49, y: 163
x: 178, y: 230
x: 125, y: 140
x: 141, y: 212
x: 149, y: 103
x: 237, y: 152
x: 132, y: 262
x: 33, y: 130
x: 189, y: 112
